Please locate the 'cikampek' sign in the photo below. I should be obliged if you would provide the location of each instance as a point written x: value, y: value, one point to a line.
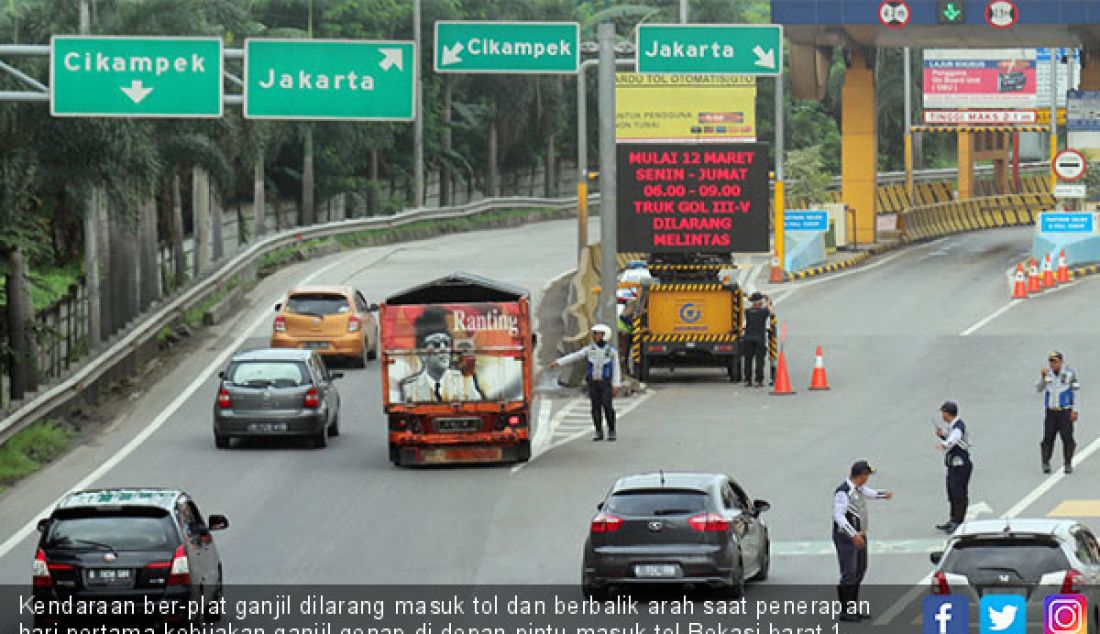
x: 693, y: 198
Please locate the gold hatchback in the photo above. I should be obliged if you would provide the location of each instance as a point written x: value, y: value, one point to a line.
x: 335, y: 321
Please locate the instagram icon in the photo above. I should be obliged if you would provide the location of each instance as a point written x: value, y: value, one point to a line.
x: 1065, y: 614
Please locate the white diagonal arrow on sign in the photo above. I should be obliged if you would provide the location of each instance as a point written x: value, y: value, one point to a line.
x: 451, y: 54
x: 392, y: 57
x: 136, y: 91
x: 764, y: 58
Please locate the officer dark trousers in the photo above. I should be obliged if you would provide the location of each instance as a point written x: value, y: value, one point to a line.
x: 958, y: 491
x: 600, y: 393
x: 853, y: 566
x: 1058, y: 423
x: 754, y: 353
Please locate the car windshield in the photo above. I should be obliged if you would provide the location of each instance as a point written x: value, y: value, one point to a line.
x: 1022, y: 559
x: 111, y: 532
x: 268, y: 374
x: 317, y: 304
x: 663, y: 502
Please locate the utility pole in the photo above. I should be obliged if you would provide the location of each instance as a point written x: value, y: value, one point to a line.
x: 418, y: 122
x: 608, y: 237
x: 684, y: 11
x: 780, y: 202
x: 908, y: 63
x: 91, y: 233
x: 1053, y: 114
x: 308, y: 215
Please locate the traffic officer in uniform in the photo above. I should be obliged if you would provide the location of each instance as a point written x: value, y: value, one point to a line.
x: 850, y: 534
x: 754, y: 339
x: 604, y: 377
x: 955, y: 443
x: 1059, y: 386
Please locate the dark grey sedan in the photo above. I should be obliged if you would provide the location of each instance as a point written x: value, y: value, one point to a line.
x: 689, y: 529
x: 277, y: 392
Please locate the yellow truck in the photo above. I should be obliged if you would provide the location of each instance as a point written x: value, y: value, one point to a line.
x: 687, y: 323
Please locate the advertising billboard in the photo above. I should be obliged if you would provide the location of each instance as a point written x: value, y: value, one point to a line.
x: 693, y: 198
x: 980, y: 78
x: 454, y: 352
x: 708, y: 108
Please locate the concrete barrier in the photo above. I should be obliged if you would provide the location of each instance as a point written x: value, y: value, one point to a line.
x: 225, y: 307
x: 804, y: 250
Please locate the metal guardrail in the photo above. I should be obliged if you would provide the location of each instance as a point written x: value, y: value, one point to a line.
x: 58, y: 395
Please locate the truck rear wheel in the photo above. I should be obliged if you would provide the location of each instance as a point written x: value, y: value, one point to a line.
x: 395, y: 455
x: 523, y: 451
x: 643, y: 369
x: 733, y: 369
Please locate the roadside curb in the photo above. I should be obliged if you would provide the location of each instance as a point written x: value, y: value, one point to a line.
x: 1084, y: 271
x: 847, y: 263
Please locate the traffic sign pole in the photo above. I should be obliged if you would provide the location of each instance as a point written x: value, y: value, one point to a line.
x: 779, y: 223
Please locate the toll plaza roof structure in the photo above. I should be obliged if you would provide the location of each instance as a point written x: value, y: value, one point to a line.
x: 1039, y: 23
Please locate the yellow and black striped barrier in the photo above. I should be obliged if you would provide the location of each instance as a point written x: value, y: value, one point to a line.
x: 830, y: 268
x: 980, y: 128
x: 690, y: 267
x: 695, y: 337
x: 687, y: 287
x: 1083, y: 271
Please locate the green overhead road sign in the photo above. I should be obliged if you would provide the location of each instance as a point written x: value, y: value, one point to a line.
x: 346, y: 80
x: 710, y: 49
x: 135, y: 76
x: 507, y: 47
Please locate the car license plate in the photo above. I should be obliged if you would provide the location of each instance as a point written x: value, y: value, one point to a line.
x: 657, y: 571
x: 316, y: 345
x: 267, y: 427
x: 458, y: 424
x: 109, y: 576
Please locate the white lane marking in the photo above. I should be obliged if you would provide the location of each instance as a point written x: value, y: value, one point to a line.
x: 163, y: 417
x: 988, y: 318
x: 974, y: 510
x: 877, y: 547
x: 542, y: 432
x: 1013, y: 512
x: 1004, y: 309
x: 1049, y: 483
x: 861, y: 269
x: 568, y: 434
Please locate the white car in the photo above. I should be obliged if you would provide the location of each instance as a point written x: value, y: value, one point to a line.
x: 1030, y: 557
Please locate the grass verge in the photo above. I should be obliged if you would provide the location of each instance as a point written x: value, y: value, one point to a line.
x: 30, y: 449
x: 193, y: 317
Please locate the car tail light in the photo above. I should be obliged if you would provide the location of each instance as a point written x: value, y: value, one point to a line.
x: 224, y: 400
x: 280, y: 323
x: 41, y: 571
x: 606, y: 523
x: 723, y: 347
x: 312, y: 400
x: 515, y: 420
x: 180, y: 573
x: 939, y: 583
x: 1073, y: 583
x: 354, y: 323
x: 658, y: 347
x: 708, y: 523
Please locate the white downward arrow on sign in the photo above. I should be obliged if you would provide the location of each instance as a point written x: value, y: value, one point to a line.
x: 137, y: 91
x: 392, y: 57
x: 451, y: 55
x: 764, y: 58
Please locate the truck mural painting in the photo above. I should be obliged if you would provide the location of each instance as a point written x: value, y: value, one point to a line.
x: 457, y: 358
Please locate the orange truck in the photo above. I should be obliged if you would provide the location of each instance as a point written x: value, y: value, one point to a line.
x: 457, y: 356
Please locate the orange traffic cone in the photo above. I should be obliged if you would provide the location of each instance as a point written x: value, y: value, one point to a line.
x: 1019, y: 288
x: 1033, y: 277
x: 1063, y: 270
x: 782, y: 379
x: 1048, y: 273
x: 819, y: 381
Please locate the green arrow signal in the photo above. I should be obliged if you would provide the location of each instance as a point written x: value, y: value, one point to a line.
x: 951, y: 12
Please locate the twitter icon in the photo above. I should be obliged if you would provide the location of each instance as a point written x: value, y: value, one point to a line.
x: 1003, y: 614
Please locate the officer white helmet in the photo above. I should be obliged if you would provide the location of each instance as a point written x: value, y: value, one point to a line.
x: 602, y: 328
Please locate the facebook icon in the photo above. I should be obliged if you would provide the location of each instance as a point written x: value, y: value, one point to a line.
x: 946, y: 615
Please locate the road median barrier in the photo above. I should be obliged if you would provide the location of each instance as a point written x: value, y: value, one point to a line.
x: 224, y: 307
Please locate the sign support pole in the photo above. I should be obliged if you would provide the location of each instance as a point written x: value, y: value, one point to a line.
x: 608, y: 202
x: 418, y: 123
x: 777, y: 273
x: 908, y: 62
x: 1053, y: 115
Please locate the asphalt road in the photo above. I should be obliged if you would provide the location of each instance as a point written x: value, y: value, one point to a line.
x: 893, y: 337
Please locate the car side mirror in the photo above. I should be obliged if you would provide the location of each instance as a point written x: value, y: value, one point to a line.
x: 217, y: 523
x: 534, y: 339
x: 373, y: 308
x: 278, y: 307
x: 599, y: 506
x: 936, y: 557
x: 43, y: 524
x: 336, y: 375
x: 221, y: 375
x: 760, y: 506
